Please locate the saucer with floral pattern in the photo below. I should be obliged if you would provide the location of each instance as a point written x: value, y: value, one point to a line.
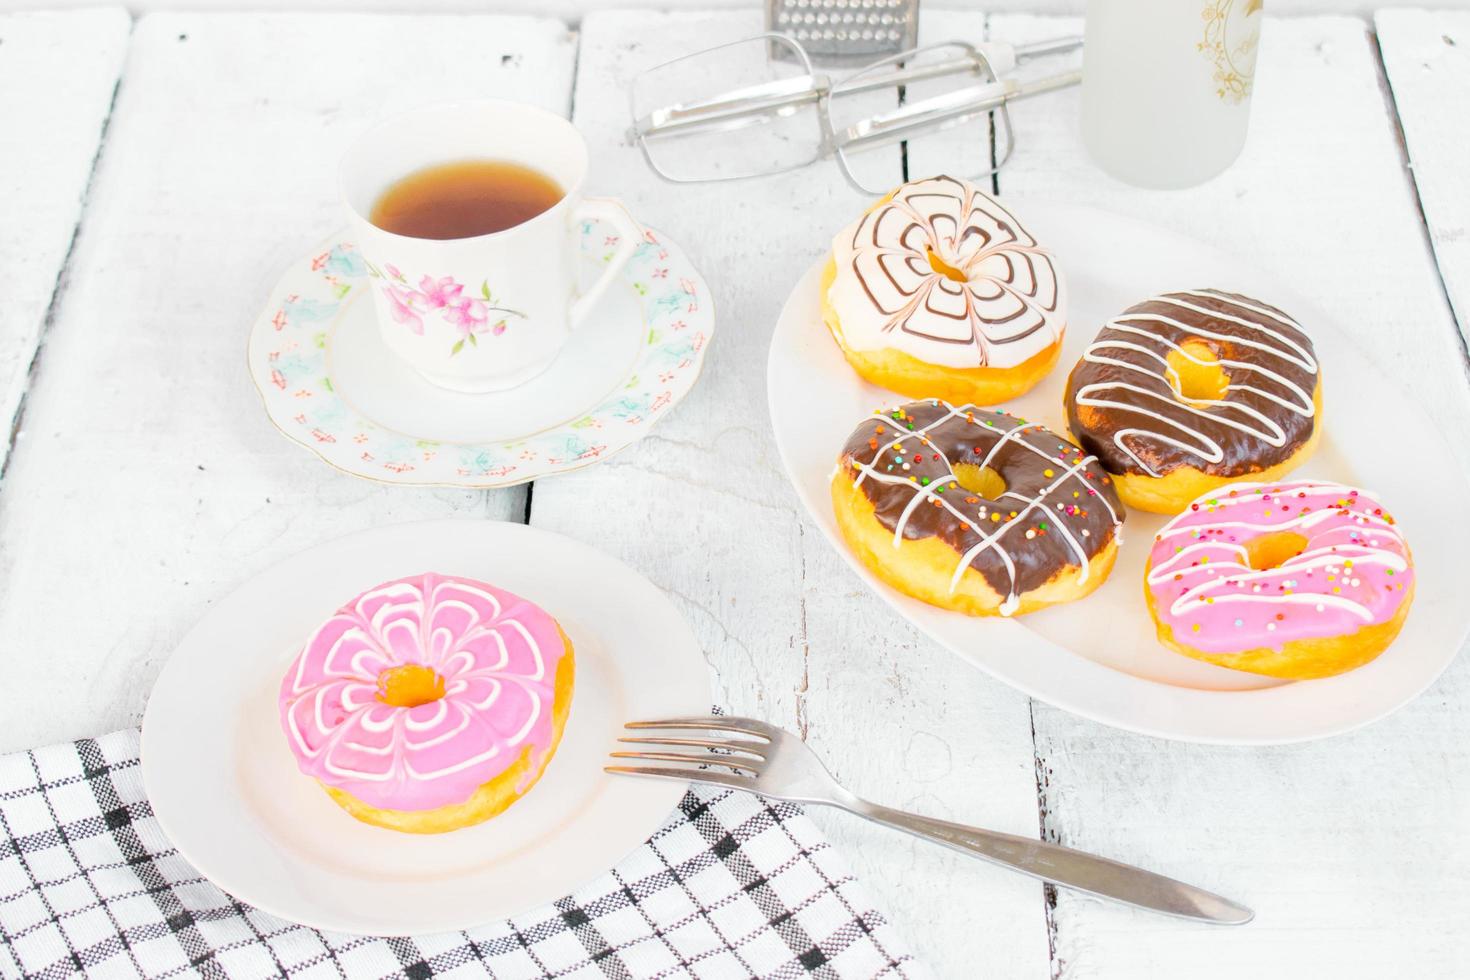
x: 330, y: 384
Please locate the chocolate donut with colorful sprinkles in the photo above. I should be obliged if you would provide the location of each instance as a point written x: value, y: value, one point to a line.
x: 975, y: 510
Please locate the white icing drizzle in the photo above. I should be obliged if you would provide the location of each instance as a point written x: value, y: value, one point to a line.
x: 988, y: 539
x: 887, y: 294
x: 1291, y: 396
x: 353, y: 688
x: 1327, y: 553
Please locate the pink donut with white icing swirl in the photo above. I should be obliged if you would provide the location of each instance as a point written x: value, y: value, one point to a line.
x: 494, y: 659
x: 1260, y: 567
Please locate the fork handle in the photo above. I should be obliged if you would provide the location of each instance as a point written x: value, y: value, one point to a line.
x: 1064, y: 866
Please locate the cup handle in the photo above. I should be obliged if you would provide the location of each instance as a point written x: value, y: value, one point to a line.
x: 630, y: 234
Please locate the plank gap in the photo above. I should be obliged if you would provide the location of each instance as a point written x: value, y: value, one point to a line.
x: 994, y: 172
x: 1391, y: 106
x: 58, y: 289
x: 575, y: 36
x: 903, y: 145
x: 1046, y: 832
x: 804, y: 683
x: 530, y: 493
x: 1044, y: 829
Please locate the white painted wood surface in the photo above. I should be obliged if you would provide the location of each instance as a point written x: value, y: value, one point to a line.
x: 574, y: 10
x: 144, y: 471
x: 793, y: 635
x: 1332, y: 843
x: 1427, y: 58
x: 57, y: 76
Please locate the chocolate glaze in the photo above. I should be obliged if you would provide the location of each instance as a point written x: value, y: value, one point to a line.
x: 1076, y: 501
x: 1129, y: 440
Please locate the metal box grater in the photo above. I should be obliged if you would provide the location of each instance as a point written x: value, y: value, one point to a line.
x: 845, y: 31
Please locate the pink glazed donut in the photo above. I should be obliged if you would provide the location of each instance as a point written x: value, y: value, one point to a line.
x: 429, y: 703
x: 1295, y: 580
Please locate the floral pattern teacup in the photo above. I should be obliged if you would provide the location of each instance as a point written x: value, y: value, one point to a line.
x: 490, y: 312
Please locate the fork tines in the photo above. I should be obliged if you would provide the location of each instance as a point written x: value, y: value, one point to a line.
x: 745, y: 756
x: 718, y: 723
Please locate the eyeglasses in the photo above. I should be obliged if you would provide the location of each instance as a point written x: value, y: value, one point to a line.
x: 756, y: 107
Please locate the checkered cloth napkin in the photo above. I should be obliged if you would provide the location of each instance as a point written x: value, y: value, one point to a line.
x: 730, y: 886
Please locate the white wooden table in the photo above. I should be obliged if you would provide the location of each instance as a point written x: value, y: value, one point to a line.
x: 157, y: 174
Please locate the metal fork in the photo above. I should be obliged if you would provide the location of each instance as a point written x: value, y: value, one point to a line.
x: 775, y: 763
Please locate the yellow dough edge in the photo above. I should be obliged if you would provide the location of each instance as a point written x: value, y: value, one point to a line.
x: 1177, y: 489
x: 907, y: 375
x: 923, y: 567
x: 492, y: 797
x: 1297, y: 660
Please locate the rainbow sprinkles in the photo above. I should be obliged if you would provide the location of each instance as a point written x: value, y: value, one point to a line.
x: 1057, y: 508
x: 1351, y: 567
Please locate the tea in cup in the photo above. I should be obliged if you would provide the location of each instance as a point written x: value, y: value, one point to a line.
x: 467, y: 215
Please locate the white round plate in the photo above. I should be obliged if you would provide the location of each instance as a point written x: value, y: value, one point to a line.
x: 1098, y: 657
x: 227, y: 792
x: 330, y: 384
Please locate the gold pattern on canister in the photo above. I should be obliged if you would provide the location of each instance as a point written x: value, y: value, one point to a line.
x: 1231, y: 39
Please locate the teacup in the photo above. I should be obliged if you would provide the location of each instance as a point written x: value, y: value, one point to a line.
x: 493, y: 311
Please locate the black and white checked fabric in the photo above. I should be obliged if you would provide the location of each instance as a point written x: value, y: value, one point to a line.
x: 731, y: 886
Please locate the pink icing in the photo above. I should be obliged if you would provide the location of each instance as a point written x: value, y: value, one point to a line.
x: 497, y: 654
x: 1353, y: 572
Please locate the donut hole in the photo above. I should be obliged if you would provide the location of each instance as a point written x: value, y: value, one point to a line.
x: 409, y: 686
x: 1268, y: 551
x: 945, y: 269
x: 1198, y: 376
x: 980, y: 480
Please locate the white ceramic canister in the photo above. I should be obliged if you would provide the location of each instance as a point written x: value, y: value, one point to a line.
x: 1166, y: 87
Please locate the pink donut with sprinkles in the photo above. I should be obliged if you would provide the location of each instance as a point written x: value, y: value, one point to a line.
x: 1294, y: 580
x: 429, y: 703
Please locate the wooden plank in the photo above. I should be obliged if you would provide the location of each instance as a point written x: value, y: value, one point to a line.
x: 1338, y: 845
x: 1426, y: 56
x: 147, y: 475
x: 58, y: 71
x: 705, y: 510
x: 702, y: 508
x: 913, y: 724
x: 907, y: 723
x: 572, y: 10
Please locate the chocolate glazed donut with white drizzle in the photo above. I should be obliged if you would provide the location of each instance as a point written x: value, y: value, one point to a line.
x: 1191, y: 390
x: 975, y: 510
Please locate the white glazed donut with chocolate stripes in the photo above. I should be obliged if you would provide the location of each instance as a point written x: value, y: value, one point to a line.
x: 938, y: 290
